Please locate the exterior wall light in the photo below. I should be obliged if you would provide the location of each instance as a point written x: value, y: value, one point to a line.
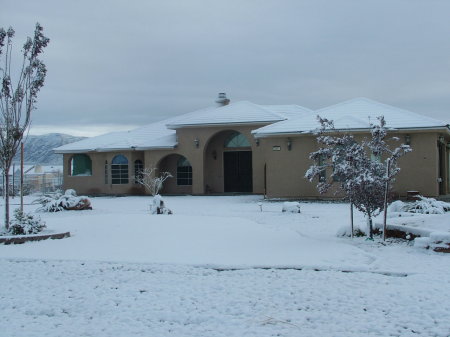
x: 214, y: 154
x: 257, y: 141
x: 289, y: 144
x: 407, y: 139
x: 441, y: 139
x: 196, y: 143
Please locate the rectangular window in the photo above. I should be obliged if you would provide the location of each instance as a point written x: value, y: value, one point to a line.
x: 184, y: 175
x: 119, y: 174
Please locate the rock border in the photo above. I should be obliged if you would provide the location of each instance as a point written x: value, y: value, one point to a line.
x: 23, y: 239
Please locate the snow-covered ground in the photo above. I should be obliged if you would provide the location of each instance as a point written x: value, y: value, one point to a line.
x: 127, y: 273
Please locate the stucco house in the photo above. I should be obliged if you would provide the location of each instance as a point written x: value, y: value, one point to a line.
x: 244, y: 147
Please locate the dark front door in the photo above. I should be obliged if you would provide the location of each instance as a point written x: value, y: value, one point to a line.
x: 237, y: 169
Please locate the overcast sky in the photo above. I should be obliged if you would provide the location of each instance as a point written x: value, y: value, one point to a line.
x: 120, y: 64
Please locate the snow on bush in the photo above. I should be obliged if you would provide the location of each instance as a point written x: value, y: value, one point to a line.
x: 67, y: 201
x: 25, y: 223
x: 291, y: 207
x: 435, y: 240
x: 440, y: 237
x: 346, y: 231
x: 422, y: 242
x: 422, y: 206
x: 158, y: 206
x: 396, y: 206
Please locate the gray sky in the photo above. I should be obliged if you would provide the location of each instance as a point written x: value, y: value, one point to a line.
x: 120, y: 64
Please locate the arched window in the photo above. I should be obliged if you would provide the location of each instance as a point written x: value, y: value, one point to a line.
x: 119, y: 170
x: 236, y: 139
x: 80, y: 165
x: 184, y: 172
x: 138, y: 171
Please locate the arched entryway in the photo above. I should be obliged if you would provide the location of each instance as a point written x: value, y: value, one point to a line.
x: 228, y: 163
x: 181, y: 170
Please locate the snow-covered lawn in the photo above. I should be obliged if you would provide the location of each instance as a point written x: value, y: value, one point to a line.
x: 127, y: 273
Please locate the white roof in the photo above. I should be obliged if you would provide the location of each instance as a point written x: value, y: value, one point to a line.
x: 152, y: 136
x: 159, y: 136
x: 242, y: 112
x: 289, y: 111
x: 355, y: 114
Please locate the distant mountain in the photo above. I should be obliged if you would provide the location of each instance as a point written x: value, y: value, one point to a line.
x: 39, y: 149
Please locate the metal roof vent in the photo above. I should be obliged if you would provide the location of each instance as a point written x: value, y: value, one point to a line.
x: 222, y: 100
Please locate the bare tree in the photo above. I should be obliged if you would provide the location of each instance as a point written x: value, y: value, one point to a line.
x: 151, y: 180
x: 18, y: 100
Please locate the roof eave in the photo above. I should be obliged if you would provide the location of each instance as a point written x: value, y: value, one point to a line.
x: 72, y: 151
x: 294, y: 133
x: 131, y: 148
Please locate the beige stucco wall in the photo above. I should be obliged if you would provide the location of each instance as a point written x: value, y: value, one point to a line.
x: 95, y: 184
x: 284, y: 169
x: 205, y: 169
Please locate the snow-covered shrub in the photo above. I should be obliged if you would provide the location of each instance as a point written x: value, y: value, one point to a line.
x: 396, y: 206
x: 25, y: 223
x: 158, y: 206
x: 70, y: 192
x: 49, y: 203
x: 346, y: 231
x: 291, y: 207
x: 422, y: 242
x: 437, y: 241
x: 427, y: 206
x: 421, y: 206
x: 58, y: 202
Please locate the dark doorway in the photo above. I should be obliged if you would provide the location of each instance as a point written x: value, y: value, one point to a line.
x: 237, y: 170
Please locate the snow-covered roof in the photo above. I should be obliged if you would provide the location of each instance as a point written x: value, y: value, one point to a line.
x: 160, y: 135
x: 289, y: 111
x: 242, y: 112
x: 355, y: 114
x: 151, y: 136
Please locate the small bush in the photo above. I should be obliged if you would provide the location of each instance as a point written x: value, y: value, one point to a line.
x: 59, y: 202
x: 25, y: 223
x: 421, y: 206
x: 158, y: 206
x: 346, y: 231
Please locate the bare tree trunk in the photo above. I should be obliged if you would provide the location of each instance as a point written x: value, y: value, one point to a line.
x: 370, y: 227
x: 14, y: 181
x: 386, y: 188
x: 351, y: 218
x: 21, y: 177
x: 7, y: 200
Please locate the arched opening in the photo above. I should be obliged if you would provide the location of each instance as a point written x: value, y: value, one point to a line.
x: 228, y: 163
x: 181, y: 170
x: 80, y: 165
x: 119, y: 170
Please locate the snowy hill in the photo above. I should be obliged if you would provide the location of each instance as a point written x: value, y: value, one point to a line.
x: 39, y: 149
